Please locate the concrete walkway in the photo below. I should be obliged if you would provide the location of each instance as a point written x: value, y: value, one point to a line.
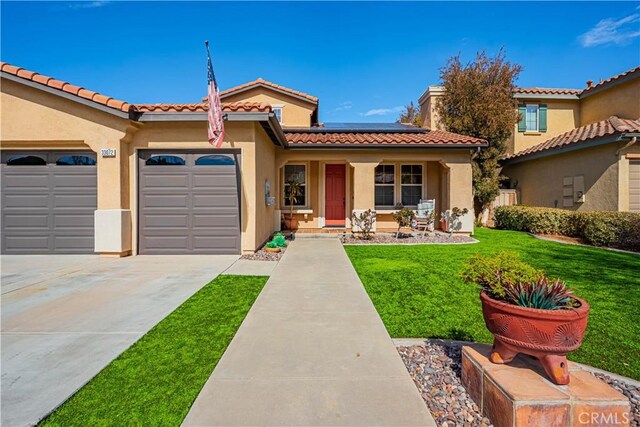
x: 65, y: 317
x: 312, y: 351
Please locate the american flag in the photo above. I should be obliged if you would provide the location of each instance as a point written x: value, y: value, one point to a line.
x: 216, y: 123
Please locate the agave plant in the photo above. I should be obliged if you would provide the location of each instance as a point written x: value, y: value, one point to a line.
x: 541, y: 294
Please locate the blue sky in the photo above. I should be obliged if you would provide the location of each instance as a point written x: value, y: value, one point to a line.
x: 363, y: 60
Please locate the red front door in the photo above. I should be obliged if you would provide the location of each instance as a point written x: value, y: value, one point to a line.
x: 335, y: 195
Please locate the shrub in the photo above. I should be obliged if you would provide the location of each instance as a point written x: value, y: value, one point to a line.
x: 404, y: 217
x: 615, y: 229
x: 364, y: 222
x: 495, y: 273
x: 279, y: 240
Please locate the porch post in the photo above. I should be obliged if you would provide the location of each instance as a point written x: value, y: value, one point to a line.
x: 459, y: 188
x: 363, y: 184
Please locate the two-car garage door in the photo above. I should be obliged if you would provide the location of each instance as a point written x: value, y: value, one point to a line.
x: 48, y: 202
x: 189, y: 202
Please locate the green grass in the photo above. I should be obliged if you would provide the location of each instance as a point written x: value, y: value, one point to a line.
x: 156, y: 380
x: 418, y: 292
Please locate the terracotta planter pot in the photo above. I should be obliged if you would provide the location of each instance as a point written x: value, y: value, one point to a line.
x: 548, y: 335
x: 443, y: 225
x: 272, y: 250
x: 291, y: 224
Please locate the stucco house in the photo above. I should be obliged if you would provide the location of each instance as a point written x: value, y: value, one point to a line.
x: 573, y: 148
x: 83, y: 172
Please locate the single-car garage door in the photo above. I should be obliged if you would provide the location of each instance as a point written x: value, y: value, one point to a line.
x: 189, y: 203
x: 634, y: 185
x: 48, y: 202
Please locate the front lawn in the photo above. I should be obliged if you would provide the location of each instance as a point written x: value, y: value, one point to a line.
x: 156, y: 380
x: 418, y: 292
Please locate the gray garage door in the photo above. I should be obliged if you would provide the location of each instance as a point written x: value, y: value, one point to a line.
x: 48, y: 202
x: 634, y: 185
x: 189, y: 202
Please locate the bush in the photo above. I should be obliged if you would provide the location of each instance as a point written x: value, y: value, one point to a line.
x: 615, y: 229
x: 496, y: 273
x: 279, y: 240
x: 364, y: 222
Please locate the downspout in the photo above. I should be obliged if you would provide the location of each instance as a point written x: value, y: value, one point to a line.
x: 627, y: 145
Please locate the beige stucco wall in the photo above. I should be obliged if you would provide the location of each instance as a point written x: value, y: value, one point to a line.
x: 295, y: 112
x: 265, y: 170
x: 541, y: 181
x: 428, y: 112
x: 622, y: 100
x: 562, y: 116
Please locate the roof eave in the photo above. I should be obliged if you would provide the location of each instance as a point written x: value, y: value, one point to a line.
x: 545, y: 96
x: 570, y: 148
x: 304, y: 146
x: 67, y: 95
x: 608, y: 85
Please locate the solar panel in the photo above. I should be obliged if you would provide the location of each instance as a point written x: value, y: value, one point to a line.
x: 362, y: 127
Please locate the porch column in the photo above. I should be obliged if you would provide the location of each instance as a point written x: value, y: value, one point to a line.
x: 458, y: 183
x: 363, y: 184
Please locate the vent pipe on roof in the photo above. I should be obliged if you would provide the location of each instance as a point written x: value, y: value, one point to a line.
x: 589, y: 84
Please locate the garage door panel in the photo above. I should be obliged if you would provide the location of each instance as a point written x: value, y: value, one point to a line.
x: 26, y: 181
x: 192, y: 208
x: 22, y: 221
x: 48, y: 208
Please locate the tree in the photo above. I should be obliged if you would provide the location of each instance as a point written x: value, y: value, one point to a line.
x: 478, y: 101
x: 411, y: 114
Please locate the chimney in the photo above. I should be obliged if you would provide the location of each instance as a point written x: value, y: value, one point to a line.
x: 589, y: 84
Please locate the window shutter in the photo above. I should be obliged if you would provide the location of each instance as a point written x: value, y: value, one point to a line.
x: 522, y: 124
x: 542, y: 120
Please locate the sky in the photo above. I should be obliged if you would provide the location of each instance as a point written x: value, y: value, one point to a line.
x: 364, y: 60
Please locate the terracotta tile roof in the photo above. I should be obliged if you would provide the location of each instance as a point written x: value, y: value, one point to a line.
x: 358, y: 139
x: 547, y: 91
x: 262, y: 82
x: 65, y: 87
x: 632, y: 71
x: 611, y: 126
x: 246, y: 107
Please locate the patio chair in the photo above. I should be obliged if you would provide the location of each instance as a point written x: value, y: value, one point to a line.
x: 424, y: 215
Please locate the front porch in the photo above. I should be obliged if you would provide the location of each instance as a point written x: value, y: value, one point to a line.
x: 335, y: 184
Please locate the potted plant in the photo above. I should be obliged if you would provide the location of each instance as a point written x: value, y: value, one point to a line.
x: 527, y: 312
x: 294, y: 192
x: 272, y: 247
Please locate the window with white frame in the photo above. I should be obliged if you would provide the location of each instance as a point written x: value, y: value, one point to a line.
x: 410, y: 184
x: 277, y: 111
x: 385, y: 185
x: 296, y: 173
x: 531, y: 118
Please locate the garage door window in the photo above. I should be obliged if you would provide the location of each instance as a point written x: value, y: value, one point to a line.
x: 76, y: 161
x: 165, y: 160
x: 215, y: 160
x: 24, y: 160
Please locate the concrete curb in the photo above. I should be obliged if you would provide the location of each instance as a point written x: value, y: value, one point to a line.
x: 551, y: 239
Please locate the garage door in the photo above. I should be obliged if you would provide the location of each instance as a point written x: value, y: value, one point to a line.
x: 48, y: 202
x: 634, y: 185
x: 189, y: 203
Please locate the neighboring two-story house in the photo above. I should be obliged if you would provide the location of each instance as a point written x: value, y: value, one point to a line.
x: 573, y: 148
x: 83, y: 172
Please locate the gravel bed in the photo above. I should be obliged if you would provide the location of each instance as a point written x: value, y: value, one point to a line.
x: 630, y: 391
x: 406, y: 238
x: 262, y: 255
x: 436, y: 371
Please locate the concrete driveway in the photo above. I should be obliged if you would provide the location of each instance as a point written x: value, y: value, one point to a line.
x: 65, y: 317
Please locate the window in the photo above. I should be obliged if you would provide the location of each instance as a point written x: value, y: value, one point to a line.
x: 215, y: 160
x: 385, y: 183
x: 162, y: 160
x: 296, y: 173
x: 75, y: 161
x: 531, y: 117
x: 22, y: 160
x: 278, y: 113
x: 410, y: 184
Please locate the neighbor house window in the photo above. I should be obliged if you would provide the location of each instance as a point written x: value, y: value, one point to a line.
x: 531, y: 118
x: 410, y: 184
x: 278, y: 113
x: 295, y: 173
x: 385, y: 183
